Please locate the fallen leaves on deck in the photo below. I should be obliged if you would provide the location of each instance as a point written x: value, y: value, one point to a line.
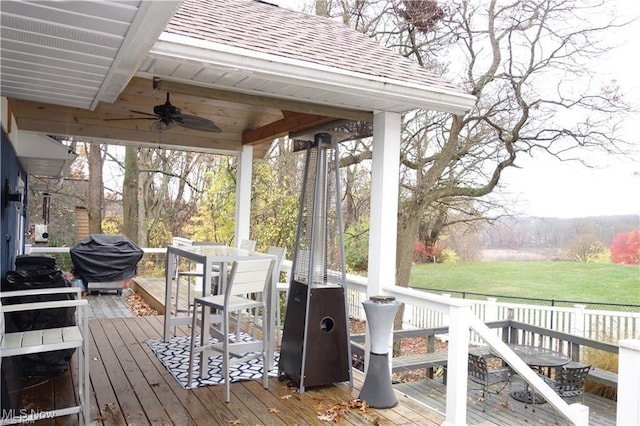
x: 336, y: 412
x: 139, y: 307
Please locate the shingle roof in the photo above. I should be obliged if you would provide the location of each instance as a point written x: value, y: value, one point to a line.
x: 266, y: 28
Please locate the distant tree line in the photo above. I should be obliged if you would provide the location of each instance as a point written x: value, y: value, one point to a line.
x: 539, y: 233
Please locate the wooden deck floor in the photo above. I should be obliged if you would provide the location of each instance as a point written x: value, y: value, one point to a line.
x: 131, y: 387
x: 109, y: 305
x: 502, y: 409
x: 153, y: 289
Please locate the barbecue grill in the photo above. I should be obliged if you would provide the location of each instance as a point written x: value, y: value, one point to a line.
x: 104, y: 262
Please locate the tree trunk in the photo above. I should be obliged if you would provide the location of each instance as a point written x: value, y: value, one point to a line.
x: 143, y: 234
x: 322, y: 8
x: 96, y: 189
x: 130, y: 204
x: 407, y: 233
x: 349, y: 209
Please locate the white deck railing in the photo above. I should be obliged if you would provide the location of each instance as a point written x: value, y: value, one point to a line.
x: 607, y: 326
x: 427, y: 310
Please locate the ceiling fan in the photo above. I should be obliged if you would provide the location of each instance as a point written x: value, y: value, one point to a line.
x: 168, y: 116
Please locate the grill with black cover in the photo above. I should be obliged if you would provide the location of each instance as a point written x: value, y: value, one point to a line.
x: 103, y: 262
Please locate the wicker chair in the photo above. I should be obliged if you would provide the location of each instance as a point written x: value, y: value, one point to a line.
x: 491, y: 380
x: 569, y: 381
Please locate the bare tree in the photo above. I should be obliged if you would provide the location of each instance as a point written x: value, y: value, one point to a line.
x: 171, y: 184
x: 161, y: 191
x: 95, y: 189
x: 527, y: 63
x: 130, y: 198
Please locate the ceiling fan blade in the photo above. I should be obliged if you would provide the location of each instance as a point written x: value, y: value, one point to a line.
x: 197, y: 123
x: 142, y: 112
x: 150, y: 116
x: 130, y: 118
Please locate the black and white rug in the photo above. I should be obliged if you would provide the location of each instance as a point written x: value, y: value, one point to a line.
x: 174, y: 355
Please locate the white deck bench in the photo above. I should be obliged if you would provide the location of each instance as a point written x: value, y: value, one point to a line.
x: 47, y: 340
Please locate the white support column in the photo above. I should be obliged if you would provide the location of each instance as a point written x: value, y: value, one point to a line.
x: 385, y: 175
x: 457, y: 360
x: 628, y: 410
x: 243, y: 194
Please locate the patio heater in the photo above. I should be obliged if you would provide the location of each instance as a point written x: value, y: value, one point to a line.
x: 315, y: 340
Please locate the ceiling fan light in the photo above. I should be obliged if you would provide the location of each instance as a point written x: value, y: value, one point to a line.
x: 160, y: 126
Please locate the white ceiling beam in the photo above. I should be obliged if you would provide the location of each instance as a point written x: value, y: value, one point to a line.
x: 144, y: 30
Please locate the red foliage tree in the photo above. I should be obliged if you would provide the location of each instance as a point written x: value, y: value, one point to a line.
x: 625, y: 248
x: 424, y: 254
x: 420, y: 252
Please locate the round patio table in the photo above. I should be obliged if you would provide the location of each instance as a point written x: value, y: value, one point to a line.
x: 536, y: 357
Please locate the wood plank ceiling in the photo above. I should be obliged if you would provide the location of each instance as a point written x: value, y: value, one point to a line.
x: 244, y: 119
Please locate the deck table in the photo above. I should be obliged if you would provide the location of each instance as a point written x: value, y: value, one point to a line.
x: 536, y: 357
x: 208, y: 255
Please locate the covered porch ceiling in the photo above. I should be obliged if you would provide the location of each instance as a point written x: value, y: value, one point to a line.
x: 70, y: 68
x: 243, y: 118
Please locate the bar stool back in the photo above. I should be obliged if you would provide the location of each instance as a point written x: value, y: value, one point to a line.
x: 249, y: 279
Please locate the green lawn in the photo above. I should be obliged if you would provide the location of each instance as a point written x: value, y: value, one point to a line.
x: 587, y: 282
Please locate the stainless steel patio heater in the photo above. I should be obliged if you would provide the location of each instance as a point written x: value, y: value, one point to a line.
x: 315, y: 342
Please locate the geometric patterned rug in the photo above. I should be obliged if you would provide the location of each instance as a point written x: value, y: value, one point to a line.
x: 174, y: 355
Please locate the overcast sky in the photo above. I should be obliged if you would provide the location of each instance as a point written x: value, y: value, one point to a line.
x: 548, y: 188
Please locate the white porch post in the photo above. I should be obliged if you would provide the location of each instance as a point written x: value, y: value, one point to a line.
x: 243, y: 194
x: 491, y: 312
x: 628, y: 412
x: 457, y: 360
x: 385, y: 171
x: 577, y: 320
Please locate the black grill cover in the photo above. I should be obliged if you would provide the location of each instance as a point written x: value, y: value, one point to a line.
x: 102, y: 258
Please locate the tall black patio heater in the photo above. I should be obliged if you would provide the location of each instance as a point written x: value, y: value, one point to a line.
x: 315, y: 341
